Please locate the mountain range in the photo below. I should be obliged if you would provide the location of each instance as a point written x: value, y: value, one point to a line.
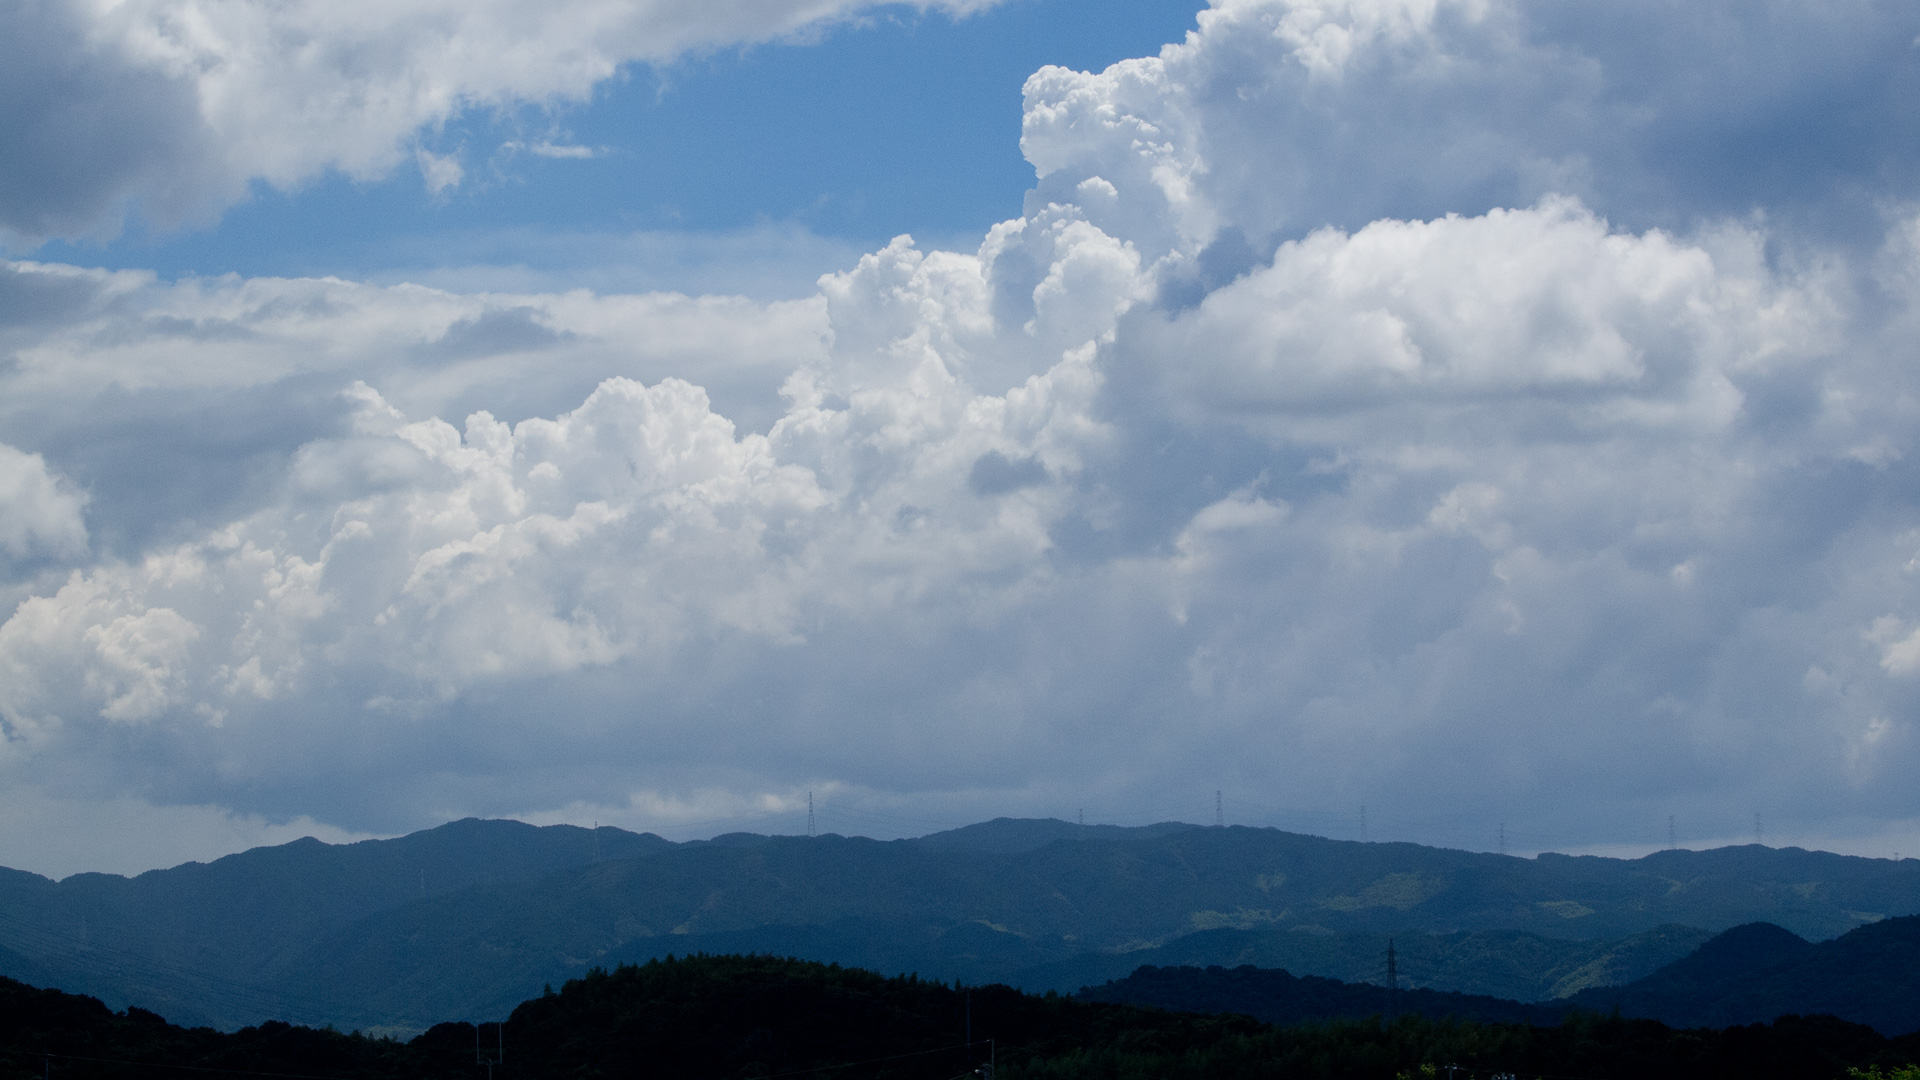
x: 467, y: 919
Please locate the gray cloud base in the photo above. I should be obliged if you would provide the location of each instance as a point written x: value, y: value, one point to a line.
x: 1334, y: 427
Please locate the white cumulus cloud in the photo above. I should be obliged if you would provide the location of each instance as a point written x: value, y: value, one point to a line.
x: 39, y: 515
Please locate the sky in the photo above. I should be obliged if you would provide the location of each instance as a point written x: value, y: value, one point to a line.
x: 1471, y: 422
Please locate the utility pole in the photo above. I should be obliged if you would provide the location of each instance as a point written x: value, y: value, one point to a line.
x: 1393, y: 980
x: 499, y: 1054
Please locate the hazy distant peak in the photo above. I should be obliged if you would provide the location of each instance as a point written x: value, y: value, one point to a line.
x: 1010, y: 836
x: 733, y: 839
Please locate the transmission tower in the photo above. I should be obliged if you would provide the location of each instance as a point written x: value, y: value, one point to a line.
x: 1363, y: 824
x: 1671, y: 844
x: 809, y: 814
x: 1503, y: 838
x: 1219, y: 810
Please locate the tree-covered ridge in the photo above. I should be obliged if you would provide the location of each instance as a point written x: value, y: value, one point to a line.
x: 742, y: 1018
x: 1756, y: 972
x: 1749, y: 974
x: 1510, y: 964
x: 1279, y: 997
x: 473, y: 917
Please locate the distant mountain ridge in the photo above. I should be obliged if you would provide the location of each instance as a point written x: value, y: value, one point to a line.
x: 211, y: 934
x: 469, y: 918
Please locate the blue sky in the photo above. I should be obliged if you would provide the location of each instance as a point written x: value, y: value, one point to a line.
x: 1490, y: 413
x: 899, y: 122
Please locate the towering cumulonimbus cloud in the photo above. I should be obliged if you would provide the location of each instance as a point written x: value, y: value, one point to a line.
x: 1436, y: 405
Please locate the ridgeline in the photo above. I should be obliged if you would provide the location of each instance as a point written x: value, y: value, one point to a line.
x: 745, y: 1018
x: 470, y: 918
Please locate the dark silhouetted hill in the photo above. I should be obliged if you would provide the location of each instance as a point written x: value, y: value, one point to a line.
x: 1754, y: 973
x: 1278, y: 997
x: 737, y: 1018
x: 1510, y: 964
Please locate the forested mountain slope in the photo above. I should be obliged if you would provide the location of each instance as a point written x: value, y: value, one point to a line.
x: 1510, y: 964
x: 1279, y: 997
x: 737, y: 1018
x: 469, y: 918
x: 1754, y: 973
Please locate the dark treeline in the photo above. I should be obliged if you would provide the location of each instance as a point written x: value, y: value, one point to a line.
x: 1281, y: 998
x: 737, y: 1018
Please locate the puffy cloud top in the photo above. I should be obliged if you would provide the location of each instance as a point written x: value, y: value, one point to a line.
x: 1276, y: 118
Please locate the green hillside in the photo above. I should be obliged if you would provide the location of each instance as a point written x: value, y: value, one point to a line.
x: 470, y: 918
